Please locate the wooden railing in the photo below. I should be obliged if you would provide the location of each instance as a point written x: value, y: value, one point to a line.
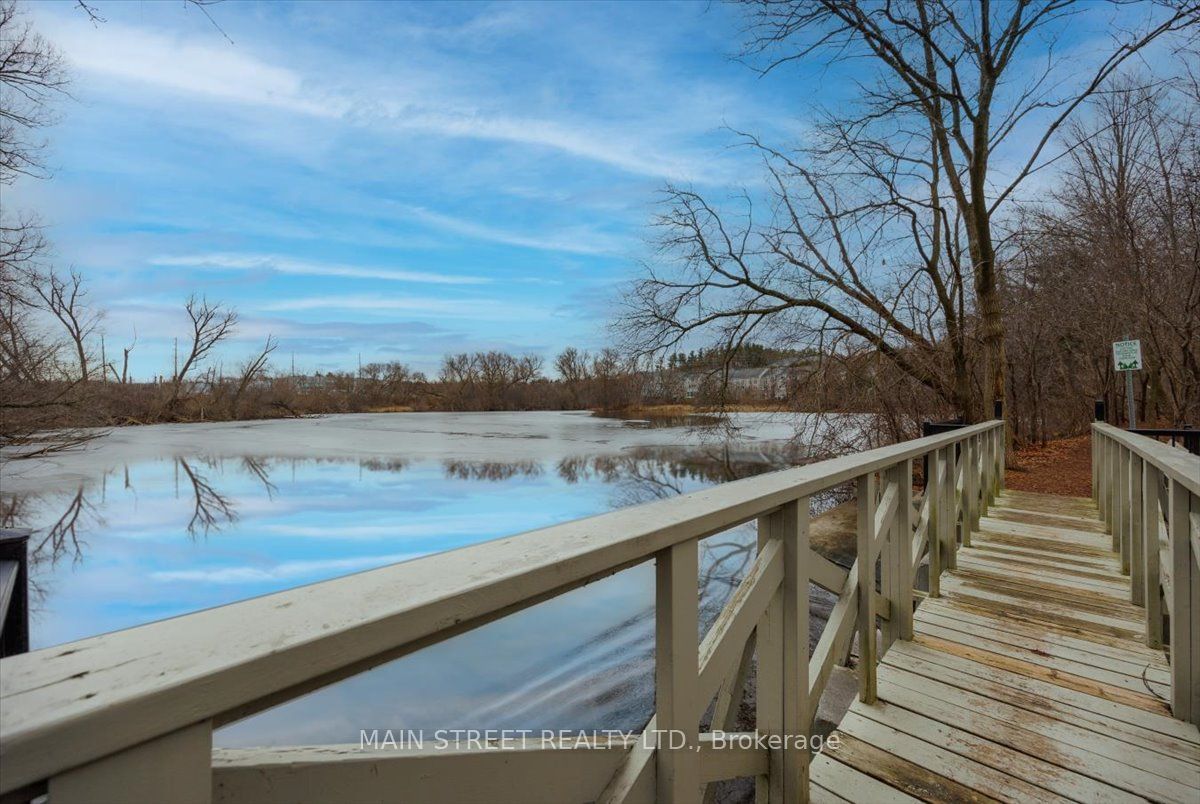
x: 129, y: 716
x: 1149, y: 496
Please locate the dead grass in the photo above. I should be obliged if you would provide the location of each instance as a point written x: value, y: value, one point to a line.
x: 391, y: 409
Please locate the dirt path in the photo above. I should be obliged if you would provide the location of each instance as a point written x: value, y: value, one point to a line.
x: 1059, y: 467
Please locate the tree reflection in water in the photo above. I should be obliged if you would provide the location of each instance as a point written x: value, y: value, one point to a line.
x: 636, y: 476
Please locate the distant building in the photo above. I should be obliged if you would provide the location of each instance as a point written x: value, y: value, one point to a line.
x: 775, y: 381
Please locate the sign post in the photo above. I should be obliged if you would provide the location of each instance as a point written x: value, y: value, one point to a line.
x: 1127, y: 357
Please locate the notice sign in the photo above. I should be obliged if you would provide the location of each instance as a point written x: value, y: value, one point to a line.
x: 1127, y: 355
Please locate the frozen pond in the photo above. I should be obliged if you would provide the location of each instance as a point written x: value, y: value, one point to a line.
x: 154, y: 522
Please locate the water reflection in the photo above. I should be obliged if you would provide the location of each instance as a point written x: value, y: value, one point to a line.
x: 159, y: 538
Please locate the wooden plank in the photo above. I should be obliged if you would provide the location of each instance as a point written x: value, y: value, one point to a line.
x: 1009, y: 761
x: 728, y: 702
x: 1069, y: 549
x: 1012, y: 613
x: 826, y: 574
x: 1050, y: 505
x: 1145, y: 700
x: 1144, y: 760
x: 1008, y: 514
x: 1043, y: 738
x: 1032, y: 573
x: 853, y: 784
x: 1053, y: 702
x: 1100, y: 563
x: 1051, y: 609
x: 1160, y: 722
x: 1047, y: 653
x: 835, y: 638
x: 632, y: 779
x: 975, y: 778
x: 898, y: 773
x: 1020, y: 563
x: 885, y: 509
x: 1078, y: 599
x: 820, y: 795
x: 994, y: 626
x: 532, y: 772
x: 1058, y: 535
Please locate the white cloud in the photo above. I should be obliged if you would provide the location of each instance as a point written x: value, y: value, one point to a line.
x: 220, y: 72
x: 479, y: 309
x: 571, y: 240
x: 286, y: 265
x: 224, y: 73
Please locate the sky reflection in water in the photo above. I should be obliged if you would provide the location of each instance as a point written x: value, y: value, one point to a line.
x: 162, y: 538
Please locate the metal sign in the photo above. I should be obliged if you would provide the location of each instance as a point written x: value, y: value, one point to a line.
x: 1127, y: 355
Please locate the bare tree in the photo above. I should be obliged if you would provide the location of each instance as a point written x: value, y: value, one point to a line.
x: 31, y: 74
x: 66, y: 299
x: 952, y: 64
x: 253, y: 369
x: 211, y: 324
x: 572, y: 366
x: 1124, y: 224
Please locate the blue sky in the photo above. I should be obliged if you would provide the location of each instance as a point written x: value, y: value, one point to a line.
x: 396, y: 180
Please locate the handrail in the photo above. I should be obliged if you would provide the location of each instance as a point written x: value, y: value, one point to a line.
x: 1176, y: 464
x: 1149, y: 497
x: 72, y: 704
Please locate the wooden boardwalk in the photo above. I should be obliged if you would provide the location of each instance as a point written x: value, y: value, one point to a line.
x: 1027, y: 680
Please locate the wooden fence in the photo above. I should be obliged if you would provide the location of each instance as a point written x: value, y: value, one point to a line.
x: 129, y: 716
x: 1149, y: 495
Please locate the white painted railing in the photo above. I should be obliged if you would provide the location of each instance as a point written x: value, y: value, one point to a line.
x: 129, y: 716
x: 1149, y: 495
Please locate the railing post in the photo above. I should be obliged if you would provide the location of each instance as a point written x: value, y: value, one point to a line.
x: 970, y: 490
x: 1095, y: 439
x: 934, y: 484
x: 957, y: 509
x: 769, y: 679
x: 792, y: 522
x: 1137, y: 552
x: 1113, y: 510
x: 867, y: 649
x: 676, y: 671
x: 985, y: 474
x: 173, y: 769
x: 1110, y: 448
x: 1123, y: 476
x: 1151, y: 517
x: 950, y: 507
x: 902, y: 606
x: 1001, y: 454
x: 1185, y: 625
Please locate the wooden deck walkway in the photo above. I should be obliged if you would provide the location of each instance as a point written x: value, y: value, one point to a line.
x: 1027, y: 680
